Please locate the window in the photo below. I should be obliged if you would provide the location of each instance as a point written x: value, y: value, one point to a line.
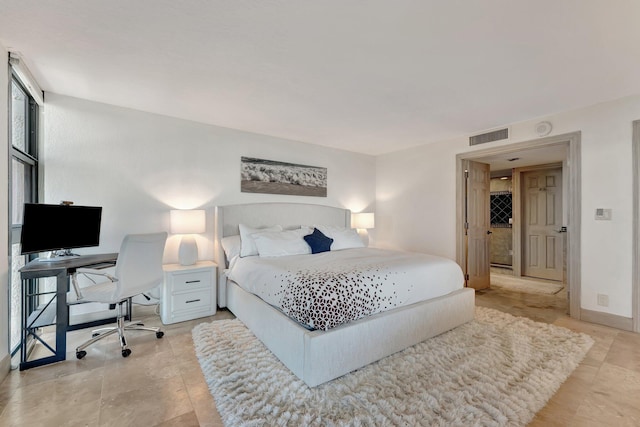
x: 23, y: 129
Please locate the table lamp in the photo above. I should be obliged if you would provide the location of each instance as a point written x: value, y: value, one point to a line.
x: 187, y: 223
x: 363, y: 220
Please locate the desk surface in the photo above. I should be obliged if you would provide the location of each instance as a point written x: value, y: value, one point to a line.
x: 36, y: 266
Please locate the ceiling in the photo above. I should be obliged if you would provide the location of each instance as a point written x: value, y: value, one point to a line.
x: 367, y: 76
x: 502, y: 163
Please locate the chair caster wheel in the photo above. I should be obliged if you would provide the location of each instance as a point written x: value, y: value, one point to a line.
x: 126, y: 352
x: 81, y: 354
x: 159, y: 334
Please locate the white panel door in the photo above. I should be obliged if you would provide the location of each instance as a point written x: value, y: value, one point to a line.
x: 478, y: 219
x: 543, y: 244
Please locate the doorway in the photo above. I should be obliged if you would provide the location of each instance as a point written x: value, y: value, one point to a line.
x: 560, y: 153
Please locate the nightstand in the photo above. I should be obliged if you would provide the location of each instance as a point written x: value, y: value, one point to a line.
x: 188, y: 292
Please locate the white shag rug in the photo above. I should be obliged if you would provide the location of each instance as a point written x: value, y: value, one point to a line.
x: 520, y: 284
x: 497, y: 370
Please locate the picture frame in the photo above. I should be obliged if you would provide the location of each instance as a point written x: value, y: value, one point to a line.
x: 276, y: 177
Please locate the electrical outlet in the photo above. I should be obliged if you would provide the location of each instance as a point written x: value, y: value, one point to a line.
x: 603, y: 300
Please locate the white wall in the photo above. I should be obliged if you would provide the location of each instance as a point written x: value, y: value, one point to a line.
x: 4, y: 212
x: 139, y: 165
x: 416, y: 206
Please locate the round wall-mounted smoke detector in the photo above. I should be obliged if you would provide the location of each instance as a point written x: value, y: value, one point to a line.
x: 543, y: 128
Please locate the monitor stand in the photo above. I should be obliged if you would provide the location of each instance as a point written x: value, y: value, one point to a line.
x: 61, y: 255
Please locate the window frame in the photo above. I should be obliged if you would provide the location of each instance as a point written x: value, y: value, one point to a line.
x: 28, y: 157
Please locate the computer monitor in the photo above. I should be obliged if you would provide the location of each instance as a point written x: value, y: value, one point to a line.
x: 59, y: 228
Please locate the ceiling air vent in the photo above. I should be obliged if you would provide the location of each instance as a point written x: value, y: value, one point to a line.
x: 495, y: 135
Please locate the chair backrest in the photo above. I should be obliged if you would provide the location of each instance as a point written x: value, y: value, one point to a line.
x: 139, y: 264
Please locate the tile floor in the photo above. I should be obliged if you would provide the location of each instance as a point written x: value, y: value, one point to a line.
x: 161, y: 384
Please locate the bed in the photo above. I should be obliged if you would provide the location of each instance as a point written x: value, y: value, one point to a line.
x: 318, y: 355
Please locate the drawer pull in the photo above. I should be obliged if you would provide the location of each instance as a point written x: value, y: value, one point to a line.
x: 193, y: 300
x: 193, y: 281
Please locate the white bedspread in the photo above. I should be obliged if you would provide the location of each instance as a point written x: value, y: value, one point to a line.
x: 324, y: 290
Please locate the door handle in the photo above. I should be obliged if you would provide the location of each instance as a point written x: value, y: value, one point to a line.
x: 562, y: 230
x: 489, y: 232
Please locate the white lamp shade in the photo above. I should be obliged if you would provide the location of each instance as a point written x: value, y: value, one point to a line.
x: 363, y: 220
x: 187, y: 221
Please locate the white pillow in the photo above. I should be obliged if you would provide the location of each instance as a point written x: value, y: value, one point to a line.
x: 343, y: 238
x: 247, y: 244
x: 231, y: 246
x: 274, y: 244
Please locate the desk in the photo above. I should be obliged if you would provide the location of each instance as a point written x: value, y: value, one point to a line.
x: 54, y: 310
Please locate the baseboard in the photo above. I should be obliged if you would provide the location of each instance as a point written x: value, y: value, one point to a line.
x: 5, y: 367
x: 607, y: 319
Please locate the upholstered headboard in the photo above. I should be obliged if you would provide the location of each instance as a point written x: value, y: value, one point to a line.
x: 258, y: 215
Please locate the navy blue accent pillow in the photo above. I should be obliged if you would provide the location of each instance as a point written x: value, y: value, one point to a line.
x: 318, y: 242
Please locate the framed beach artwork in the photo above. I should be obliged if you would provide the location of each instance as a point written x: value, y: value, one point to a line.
x: 274, y: 177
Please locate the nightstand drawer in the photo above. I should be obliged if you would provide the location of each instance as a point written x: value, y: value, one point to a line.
x: 191, y: 280
x: 188, y: 292
x: 191, y: 301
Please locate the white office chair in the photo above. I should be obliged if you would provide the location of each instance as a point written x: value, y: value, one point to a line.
x: 138, y: 270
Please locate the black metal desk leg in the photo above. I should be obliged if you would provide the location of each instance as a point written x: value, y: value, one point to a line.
x: 23, y: 328
x: 62, y: 315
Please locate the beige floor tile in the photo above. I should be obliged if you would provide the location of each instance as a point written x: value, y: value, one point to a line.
x: 182, y: 347
x: 187, y: 420
x: 128, y: 375
x: 625, y: 351
x: 613, y: 397
x: 151, y: 403
x: 580, y: 421
x: 553, y: 415
x: 50, y: 397
x: 81, y: 414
